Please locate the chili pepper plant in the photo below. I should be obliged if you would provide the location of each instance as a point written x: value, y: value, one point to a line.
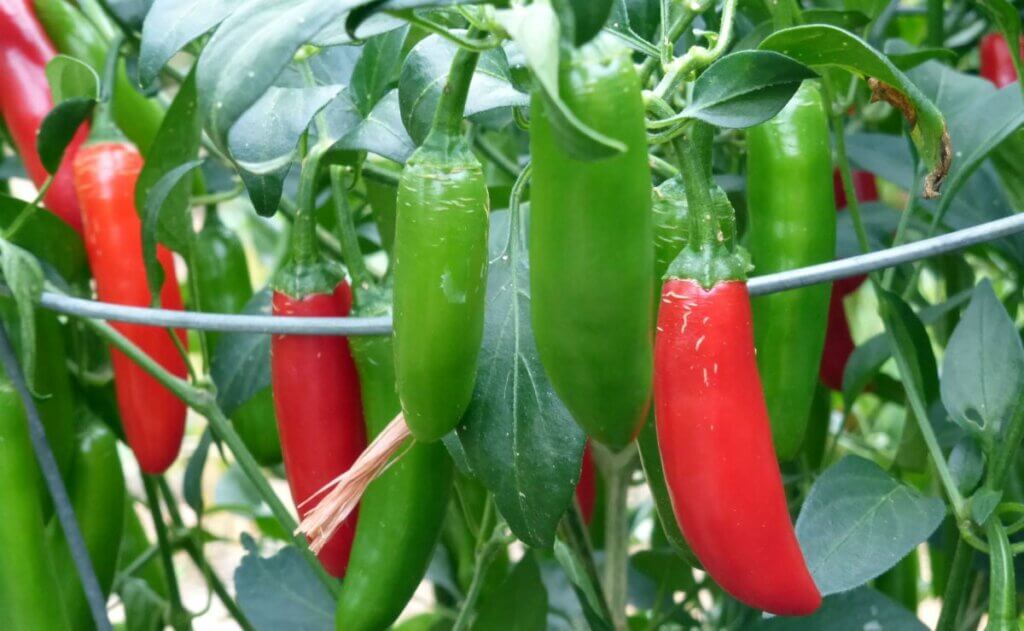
x: 522, y: 314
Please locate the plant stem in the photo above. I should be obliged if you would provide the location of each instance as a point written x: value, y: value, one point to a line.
x: 347, y: 237
x: 936, y: 14
x: 451, y: 106
x: 484, y: 558
x: 305, y: 245
x: 839, y: 134
x: 574, y: 533
x: 1006, y: 450
x: 698, y: 57
x: 693, y: 166
x: 616, y: 539
x: 179, y: 617
x: 956, y: 586
x: 29, y: 210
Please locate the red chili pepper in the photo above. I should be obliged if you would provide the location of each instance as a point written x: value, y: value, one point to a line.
x: 319, y: 410
x: 586, y: 488
x: 716, y: 445
x: 996, y: 60
x: 105, y: 173
x: 25, y: 100
x: 838, y: 341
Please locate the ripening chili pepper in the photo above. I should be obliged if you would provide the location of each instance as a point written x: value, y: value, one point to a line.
x: 1002, y: 590
x: 440, y: 268
x: 222, y: 278
x: 997, y: 61
x: 74, y: 34
x: 401, y: 512
x: 712, y: 422
x: 792, y: 224
x: 591, y: 249
x: 24, y: 53
x: 839, y: 343
x: 316, y: 386
x: 97, y: 492
x: 106, y: 170
x: 27, y: 583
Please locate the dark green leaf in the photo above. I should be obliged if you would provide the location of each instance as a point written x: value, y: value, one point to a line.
x: 241, y: 364
x: 983, y: 368
x: 523, y: 605
x: 192, y: 484
x: 171, y: 24
x: 24, y: 278
x: 520, y: 440
x: 853, y: 507
x: 282, y: 592
x: 48, y: 237
x: 381, y: 132
x: 129, y: 13
x: 58, y: 128
x: 636, y: 18
x: 589, y: 16
x: 177, y: 142
x: 156, y: 202
x: 664, y: 567
x: 143, y: 608
x: 249, y: 50
x: 966, y: 464
x: 849, y: 20
x: 370, y: 8
x: 983, y: 503
x: 906, y: 61
x: 858, y: 610
x: 71, y: 78
x: 745, y: 88
x: 535, y: 29
x: 587, y: 591
x: 377, y: 69
x: 424, y: 74
x: 824, y: 45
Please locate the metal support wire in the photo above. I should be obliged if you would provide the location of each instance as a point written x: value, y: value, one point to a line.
x: 758, y: 285
x: 59, y: 493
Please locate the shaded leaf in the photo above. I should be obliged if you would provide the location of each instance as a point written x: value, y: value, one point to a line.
x: 381, y: 132
x: 24, y: 278
x: 171, y: 24
x: 240, y: 367
x: 281, y: 591
x: 858, y: 610
x: 156, y: 201
x: 192, y: 484
x: 523, y: 604
x: 967, y: 464
x: 377, y: 69
x: 58, y: 128
x: 71, y: 78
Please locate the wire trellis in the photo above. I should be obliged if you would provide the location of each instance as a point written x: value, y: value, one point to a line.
x: 349, y: 326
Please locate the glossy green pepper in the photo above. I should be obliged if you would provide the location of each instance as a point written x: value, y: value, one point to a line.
x: 591, y: 249
x: 440, y: 268
x: 224, y: 287
x: 792, y: 224
x: 97, y: 493
x: 75, y: 35
x: 29, y: 599
x: 401, y: 513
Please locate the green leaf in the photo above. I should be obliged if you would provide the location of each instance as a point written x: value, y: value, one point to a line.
x: 192, y: 483
x: 589, y: 17
x: 966, y: 464
x: 523, y: 605
x: 71, y: 78
x: 858, y: 610
x: 849, y: 20
x: 377, y: 69
x: 129, y: 13
x: 635, y: 18
x: 336, y: 34
x: 519, y: 438
x: 47, y: 237
x: 24, y: 278
x: 369, y: 9
x: 176, y: 143
x: 382, y: 132
x: 906, y: 61
x: 249, y: 50
x: 58, y: 128
x: 156, y: 202
x: 281, y: 591
x: 144, y: 610
x: 665, y: 569
x: 856, y: 507
x: 983, y: 368
x: 587, y: 591
x: 535, y: 29
x: 745, y: 88
x: 425, y: 72
x: 172, y: 24
x: 983, y: 503
x: 823, y: 45
x: 241, y: 364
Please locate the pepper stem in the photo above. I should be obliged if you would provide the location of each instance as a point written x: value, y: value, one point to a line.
x: 305, y: 247
x: 452, y: 105
x: 104, y: 129
x: 694, y: 159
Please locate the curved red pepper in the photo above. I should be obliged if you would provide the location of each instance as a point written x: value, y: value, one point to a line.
x: 996, y: 60
x: 154, y: 419
x: 838, y: 341
x: 716, y: 445
x: 25, y: 100
x: 319, y: 410
x: 586, y: 488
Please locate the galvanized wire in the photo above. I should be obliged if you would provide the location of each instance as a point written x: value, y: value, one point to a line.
x: 758, y: 285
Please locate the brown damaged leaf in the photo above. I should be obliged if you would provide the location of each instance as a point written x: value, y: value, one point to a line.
x: 881, y: 91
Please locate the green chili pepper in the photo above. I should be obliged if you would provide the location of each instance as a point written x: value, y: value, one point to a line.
x: 97, y: 494
x: 1002, y: 604
x: 75, y: 35
x: 792, y: 224
x: 28, y: 591
x: 591, y: 249
x: 440, y: 268
x: 401, y: 513
x: 224, y: 287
